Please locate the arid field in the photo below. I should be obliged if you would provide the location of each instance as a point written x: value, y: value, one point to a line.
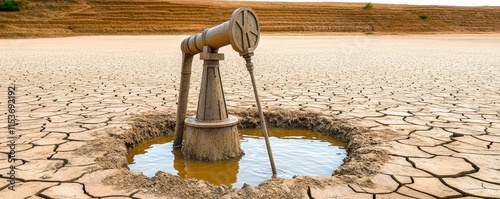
x: 416, y: 101
x: 54, y: 18
x: 420, y: 114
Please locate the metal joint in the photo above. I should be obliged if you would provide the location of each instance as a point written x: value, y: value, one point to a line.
x: 204, y: 37
x: 209, y: 54
x: 196, y: 46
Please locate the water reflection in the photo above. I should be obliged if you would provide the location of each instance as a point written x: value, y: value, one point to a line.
x: 296, y: 152
x: 221, y: 172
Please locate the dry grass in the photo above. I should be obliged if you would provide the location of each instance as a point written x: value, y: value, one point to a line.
x: 52, y: 18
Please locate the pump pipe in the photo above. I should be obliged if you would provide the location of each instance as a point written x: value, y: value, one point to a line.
x: 249, y: 65
x: 187, y: 60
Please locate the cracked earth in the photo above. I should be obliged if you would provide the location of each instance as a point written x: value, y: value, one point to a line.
x: 439, y: 96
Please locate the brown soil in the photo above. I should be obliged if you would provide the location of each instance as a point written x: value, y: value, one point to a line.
x: 364, y: 156
x: 53, y: 18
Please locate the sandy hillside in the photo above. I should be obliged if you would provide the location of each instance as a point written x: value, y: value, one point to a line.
x: 51, y: 18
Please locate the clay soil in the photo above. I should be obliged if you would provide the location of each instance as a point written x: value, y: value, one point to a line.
x: 55, y: 18
x: 364, y: 159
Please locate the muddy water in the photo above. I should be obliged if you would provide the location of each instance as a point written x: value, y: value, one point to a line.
x: 296, y: 152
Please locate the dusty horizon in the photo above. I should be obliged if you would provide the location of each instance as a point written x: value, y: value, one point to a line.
x: 141, y: 17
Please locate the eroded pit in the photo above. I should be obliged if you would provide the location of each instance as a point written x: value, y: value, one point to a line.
x: 365, y: 155
x: 296, y: 152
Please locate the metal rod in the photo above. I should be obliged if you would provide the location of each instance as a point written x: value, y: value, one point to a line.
x: 187, y: 60
x: 249, y: 65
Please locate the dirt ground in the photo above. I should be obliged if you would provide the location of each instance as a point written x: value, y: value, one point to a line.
x: 421, y: 113
x: 56, y: 18
x: 364, y: 159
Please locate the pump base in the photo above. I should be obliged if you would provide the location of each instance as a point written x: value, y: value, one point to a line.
x: 212, y: 141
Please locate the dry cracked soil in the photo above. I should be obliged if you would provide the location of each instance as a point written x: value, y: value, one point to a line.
x: 421, y: 114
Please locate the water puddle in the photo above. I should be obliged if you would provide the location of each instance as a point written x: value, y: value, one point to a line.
x: 296, y: 152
